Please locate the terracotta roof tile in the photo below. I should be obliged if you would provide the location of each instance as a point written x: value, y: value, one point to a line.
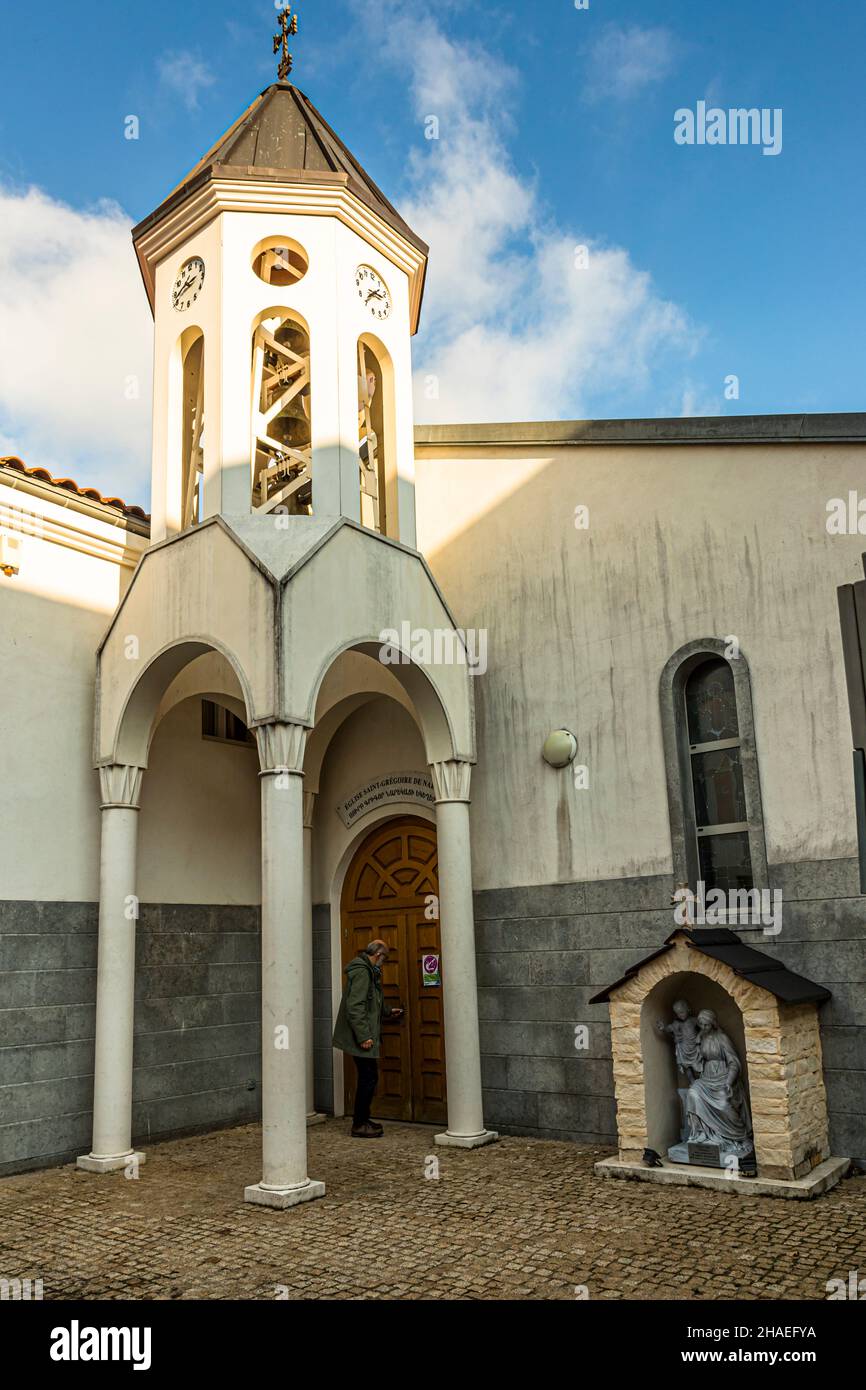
x: 42, y: 475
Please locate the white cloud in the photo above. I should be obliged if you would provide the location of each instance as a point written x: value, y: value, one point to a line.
x: 698, y: 400
x: 75, y: 345
x: 185, y: 76
x: 625, y: 59
x: 512, y: 327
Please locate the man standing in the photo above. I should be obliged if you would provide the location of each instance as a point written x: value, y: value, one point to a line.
x: 359, y: 1027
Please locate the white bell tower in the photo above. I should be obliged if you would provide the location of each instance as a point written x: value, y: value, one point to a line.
x: 285, y: 290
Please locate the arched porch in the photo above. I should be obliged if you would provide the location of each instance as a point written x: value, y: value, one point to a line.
x: 325, y: 682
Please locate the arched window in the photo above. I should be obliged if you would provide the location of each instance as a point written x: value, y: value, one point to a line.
x: 192, y: 426
x: 377, y: 474
x: 281, y: 408
x: 714, y: 793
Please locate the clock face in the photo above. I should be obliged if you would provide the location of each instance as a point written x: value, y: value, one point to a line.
x: 188, y: 285
x: 373, y: 292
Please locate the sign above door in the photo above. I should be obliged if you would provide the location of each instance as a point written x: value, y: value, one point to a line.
x: 393, y: 788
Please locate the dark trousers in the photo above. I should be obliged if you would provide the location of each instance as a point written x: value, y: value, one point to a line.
x: 368, y: 1079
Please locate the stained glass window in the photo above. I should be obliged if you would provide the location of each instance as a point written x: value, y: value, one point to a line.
x: 711, y: 704
x: 718, y: 790
x: 720, y: 797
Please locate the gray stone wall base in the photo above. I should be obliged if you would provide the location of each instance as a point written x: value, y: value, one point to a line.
x: 542, y: 952
x: 197, y: 1052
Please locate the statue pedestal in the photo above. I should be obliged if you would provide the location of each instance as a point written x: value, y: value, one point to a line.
x: 709, y: 1154
x: 819, y: 1180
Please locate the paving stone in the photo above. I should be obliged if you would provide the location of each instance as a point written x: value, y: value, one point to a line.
x: 521, y: 1219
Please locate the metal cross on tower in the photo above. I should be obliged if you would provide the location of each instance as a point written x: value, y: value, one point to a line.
x: 288, y: 25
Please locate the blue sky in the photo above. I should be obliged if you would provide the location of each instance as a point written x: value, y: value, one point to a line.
x: 556, y: 130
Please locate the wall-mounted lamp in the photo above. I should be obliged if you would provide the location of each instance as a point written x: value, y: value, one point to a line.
x: 560, y: 748
x: 10, y: 553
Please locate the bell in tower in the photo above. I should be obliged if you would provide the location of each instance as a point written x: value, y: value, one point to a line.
x: 282, y: 475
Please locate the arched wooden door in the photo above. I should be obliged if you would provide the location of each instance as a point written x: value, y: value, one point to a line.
x: 391, y: 892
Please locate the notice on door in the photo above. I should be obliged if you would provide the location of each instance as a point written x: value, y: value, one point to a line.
x: 430, y: 973
x: 415, y: 787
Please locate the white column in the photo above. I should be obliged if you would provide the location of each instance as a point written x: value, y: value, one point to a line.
x: 284, y: 1044
x: 457, y: 927
x: 313, y: 1117
x: 115, y: 976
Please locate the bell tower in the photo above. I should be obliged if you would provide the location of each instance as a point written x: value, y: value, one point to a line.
x: 285, y: 289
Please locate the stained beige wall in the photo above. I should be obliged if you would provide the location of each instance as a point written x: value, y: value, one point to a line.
x: 200, y: 820
x: 683, y: 543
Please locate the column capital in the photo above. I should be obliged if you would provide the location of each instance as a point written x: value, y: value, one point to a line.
x: 451, y: 780
x: 309, y: 809
x: 281, y: 748
x: 120, y: 786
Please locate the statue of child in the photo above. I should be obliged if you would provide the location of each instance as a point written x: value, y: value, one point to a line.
x: 686, y: 1036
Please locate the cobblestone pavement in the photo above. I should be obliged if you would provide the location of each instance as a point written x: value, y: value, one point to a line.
x: 521, y: 1219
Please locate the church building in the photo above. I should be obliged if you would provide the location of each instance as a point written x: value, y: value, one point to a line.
x: 494, y: 693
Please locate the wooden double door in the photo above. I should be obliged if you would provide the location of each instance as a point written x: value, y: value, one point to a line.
x: 391, y: 893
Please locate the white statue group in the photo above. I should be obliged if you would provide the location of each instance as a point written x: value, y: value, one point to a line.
x: 716, y: 1104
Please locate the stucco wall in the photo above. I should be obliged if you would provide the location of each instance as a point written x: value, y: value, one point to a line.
x: 683, y: 543
x: 53, y: 614
x: 200, y: 820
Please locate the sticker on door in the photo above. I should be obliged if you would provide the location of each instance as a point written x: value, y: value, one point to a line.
x: 430, y: 974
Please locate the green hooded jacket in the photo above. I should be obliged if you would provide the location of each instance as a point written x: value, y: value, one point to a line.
x: 361, y: 1009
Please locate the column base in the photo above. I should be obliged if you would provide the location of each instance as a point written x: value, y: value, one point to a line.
x: 283, y: 1197
x: 467, y: 1141
x: 100, y: 1163
x: 315, y: 1118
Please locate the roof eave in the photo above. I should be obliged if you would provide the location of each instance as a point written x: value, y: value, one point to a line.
x: 217, y: 174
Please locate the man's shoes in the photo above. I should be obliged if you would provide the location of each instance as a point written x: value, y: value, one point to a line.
x: 374, y: 1124
x: 366, y: 1131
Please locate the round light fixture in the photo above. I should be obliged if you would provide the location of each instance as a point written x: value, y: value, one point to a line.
x: 560, y: 748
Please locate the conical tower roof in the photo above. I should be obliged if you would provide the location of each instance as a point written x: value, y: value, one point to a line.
x: 282, y: 136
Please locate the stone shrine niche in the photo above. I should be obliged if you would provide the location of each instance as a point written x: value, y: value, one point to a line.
x: 663, y: 1078
x: 770, y: 1016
